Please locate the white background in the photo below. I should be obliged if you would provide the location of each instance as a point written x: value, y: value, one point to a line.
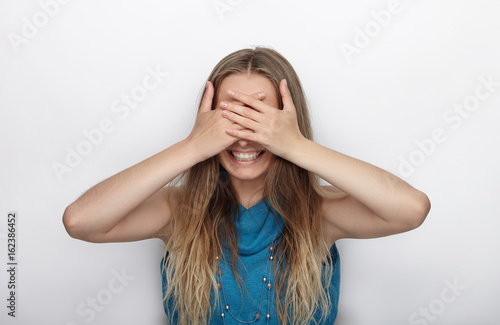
x: 376, y: 103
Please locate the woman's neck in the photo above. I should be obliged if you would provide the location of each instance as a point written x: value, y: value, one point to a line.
x: 248, y: 193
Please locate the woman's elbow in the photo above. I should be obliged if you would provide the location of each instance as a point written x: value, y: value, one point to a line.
x: 73, y: 223
x: 420, y: 210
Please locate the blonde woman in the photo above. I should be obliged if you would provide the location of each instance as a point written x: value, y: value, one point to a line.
x: 249, y: 231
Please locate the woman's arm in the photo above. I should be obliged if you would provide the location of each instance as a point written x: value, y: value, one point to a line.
x: 130, y: 205
x: 133, y: 204
x: 378, y: 203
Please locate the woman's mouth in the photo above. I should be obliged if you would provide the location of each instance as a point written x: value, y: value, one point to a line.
x: 246, y: 156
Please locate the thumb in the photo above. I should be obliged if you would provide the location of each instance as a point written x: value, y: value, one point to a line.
x: 206, y: 102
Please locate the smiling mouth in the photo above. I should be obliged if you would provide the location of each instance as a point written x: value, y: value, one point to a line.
x: 246, y: 156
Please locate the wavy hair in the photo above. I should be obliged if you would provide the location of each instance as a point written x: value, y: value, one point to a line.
x: 204, y: 218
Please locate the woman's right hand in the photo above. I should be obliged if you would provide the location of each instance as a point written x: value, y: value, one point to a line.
x: 135, y: 204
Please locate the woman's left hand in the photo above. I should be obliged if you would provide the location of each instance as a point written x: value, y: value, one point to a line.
x: 276, y: 130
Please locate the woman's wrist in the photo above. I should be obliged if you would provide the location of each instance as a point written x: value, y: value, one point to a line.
x: 298, y: 151
x: 193, y: 150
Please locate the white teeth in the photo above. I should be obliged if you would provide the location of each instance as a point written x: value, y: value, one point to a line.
x: 246, y: 156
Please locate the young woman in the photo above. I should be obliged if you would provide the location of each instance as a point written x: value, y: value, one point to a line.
x: 250, y: 233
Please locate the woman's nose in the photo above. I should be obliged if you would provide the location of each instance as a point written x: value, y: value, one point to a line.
x: 243, y: 143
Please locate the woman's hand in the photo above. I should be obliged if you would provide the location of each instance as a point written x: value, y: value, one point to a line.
x: 378, y: 203
x: 277, y: 130
x: 209, y: 134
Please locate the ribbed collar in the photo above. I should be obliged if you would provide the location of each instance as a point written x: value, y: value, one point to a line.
x: 257, y: 227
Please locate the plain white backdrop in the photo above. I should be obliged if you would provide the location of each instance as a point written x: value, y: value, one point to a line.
x: 88, y: 88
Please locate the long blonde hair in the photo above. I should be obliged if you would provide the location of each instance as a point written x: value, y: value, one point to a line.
x: 203, y: 218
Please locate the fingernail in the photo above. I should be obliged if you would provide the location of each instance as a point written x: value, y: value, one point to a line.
x: 261, y: 95
x: 223, y: 104
x: 230, y: 92
x: 225, y: 113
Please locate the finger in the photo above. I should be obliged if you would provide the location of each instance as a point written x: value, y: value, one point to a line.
x: 286, y: 95
x: 244, y: 111
x: 249, y: 100
x: 259, y: 95
x: 240, y: 119
x: 243, y: 134
x: 206, y: 103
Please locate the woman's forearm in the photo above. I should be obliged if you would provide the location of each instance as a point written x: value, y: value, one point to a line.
x: 382, y: 192
x: 105, y: 204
